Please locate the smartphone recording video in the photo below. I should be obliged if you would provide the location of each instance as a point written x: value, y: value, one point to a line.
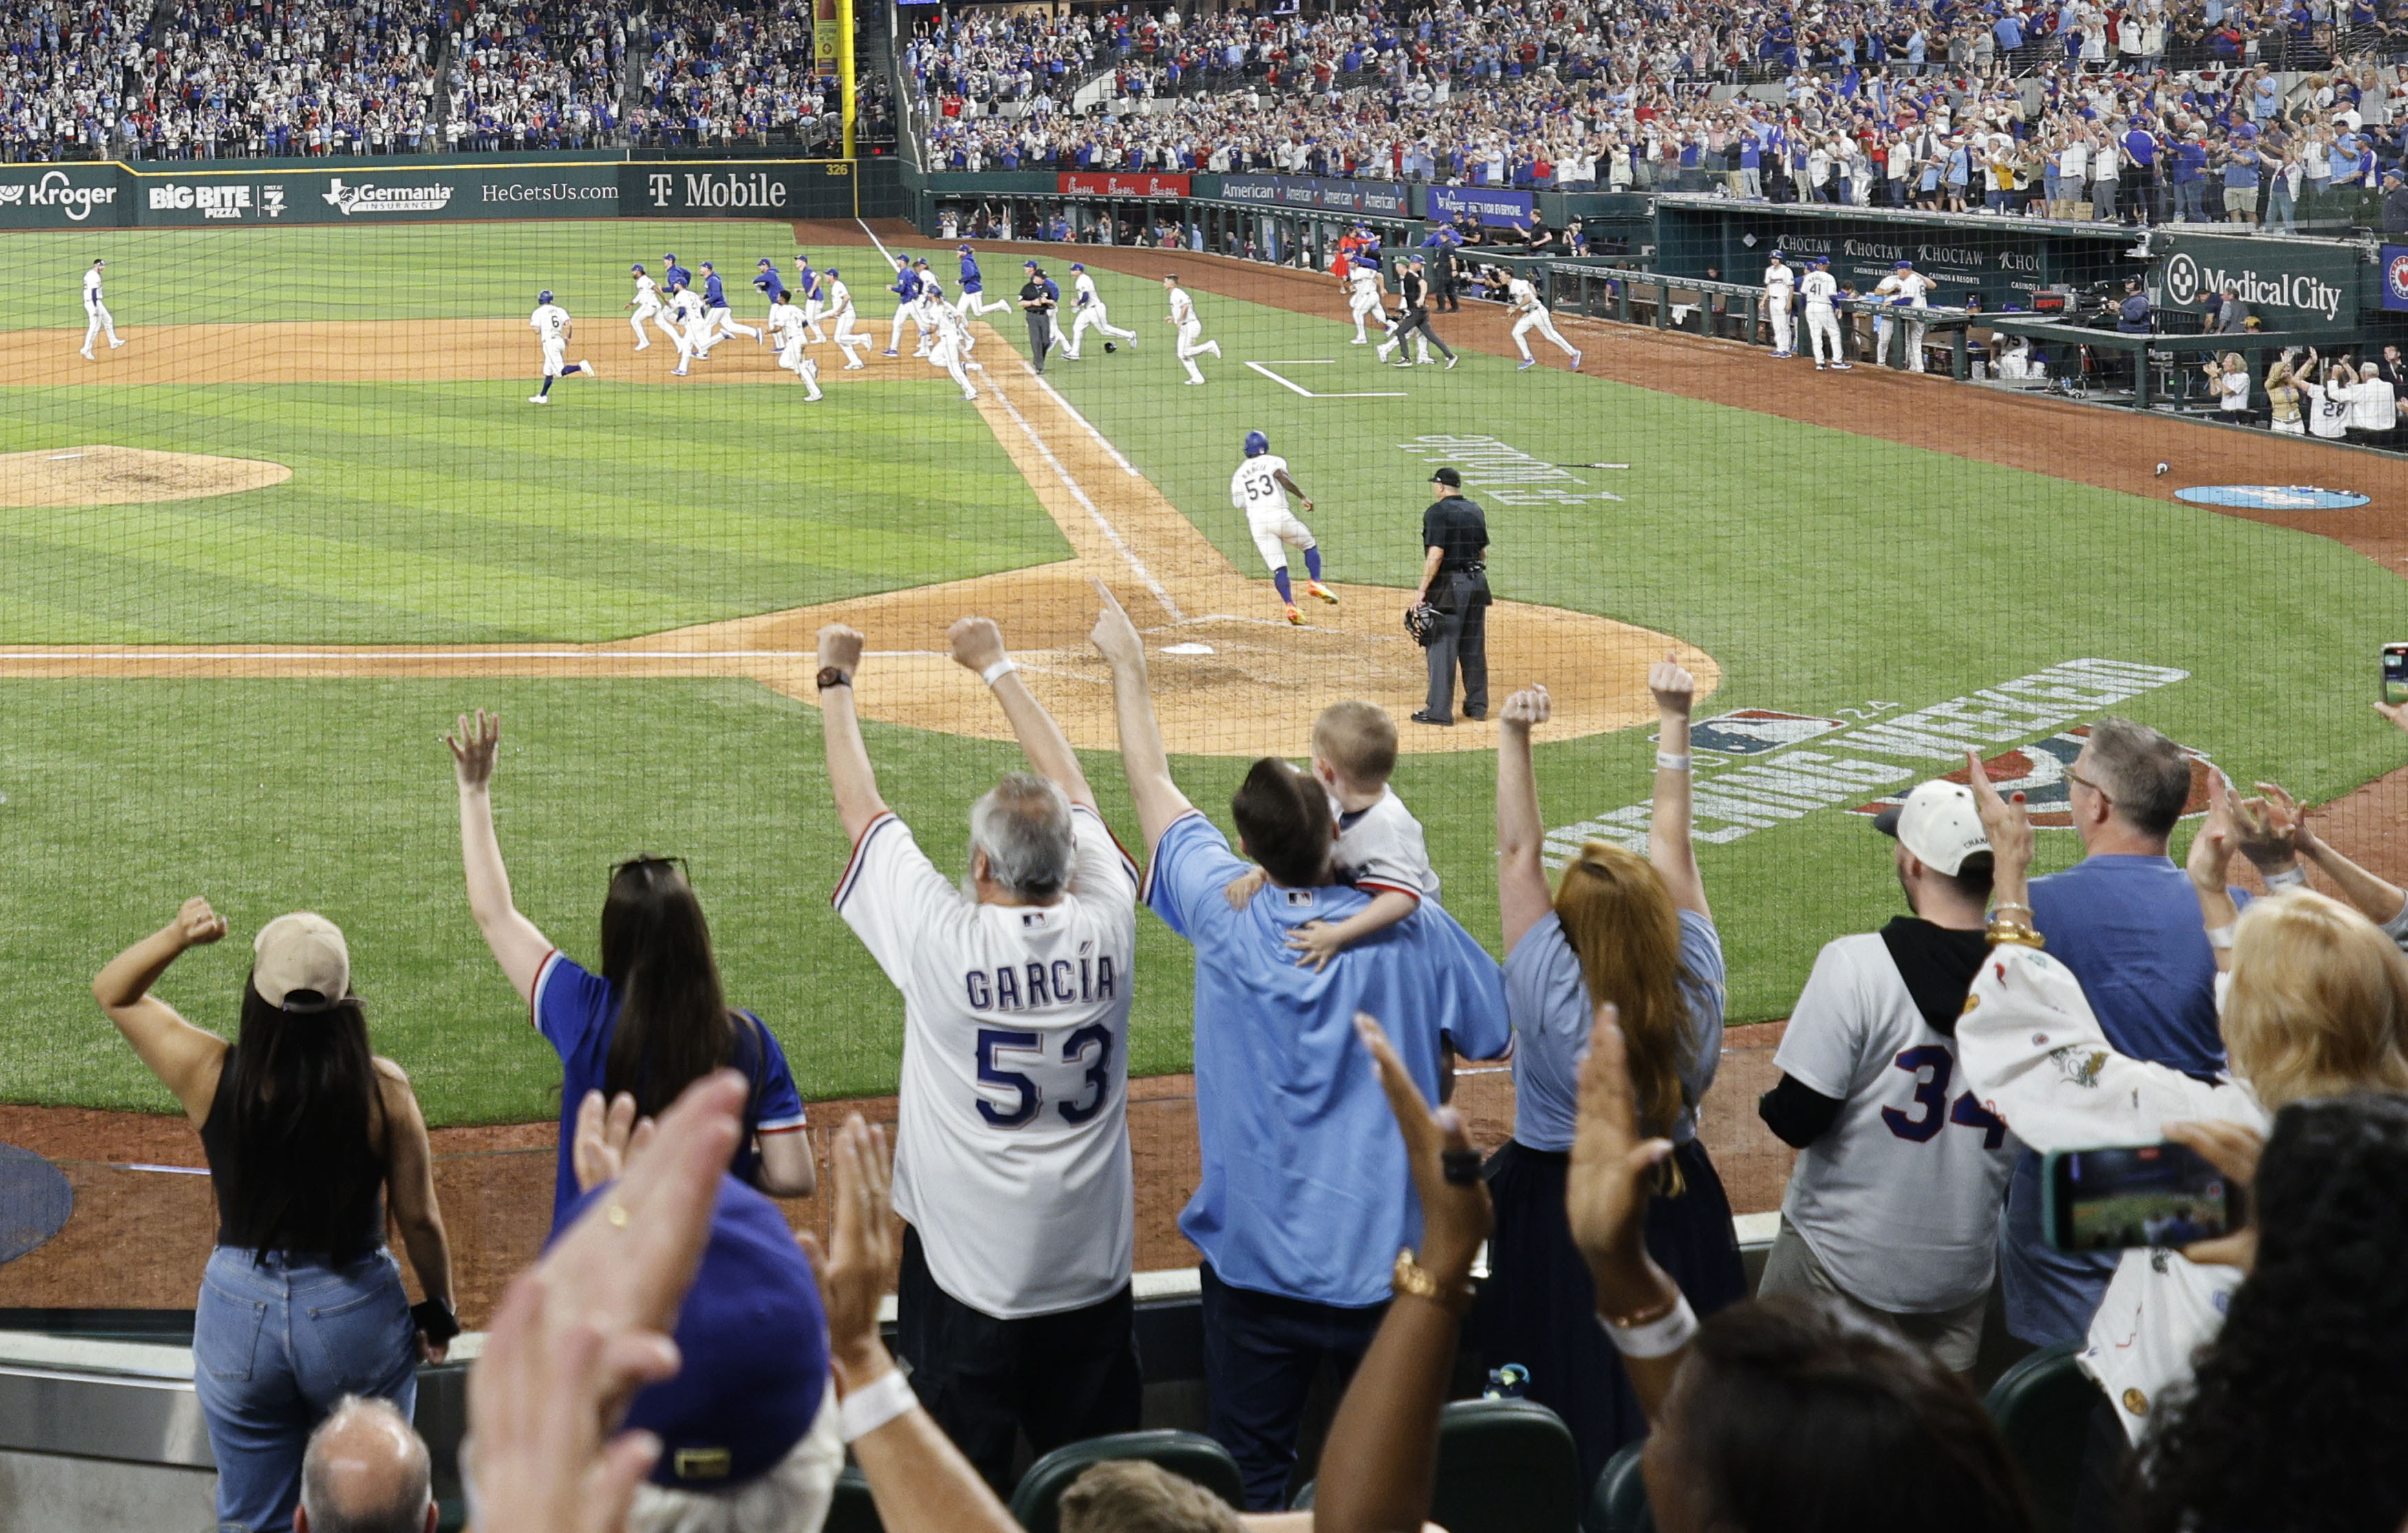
x: 2395, y: 673
x: 2150, y: 1194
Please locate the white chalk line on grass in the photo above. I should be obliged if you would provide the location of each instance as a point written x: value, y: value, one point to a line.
x: 1110, y: 533
x: 432, y: 653
x: 1071, y: 411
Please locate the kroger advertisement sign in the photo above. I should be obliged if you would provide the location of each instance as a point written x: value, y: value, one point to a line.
x: 59, y: 197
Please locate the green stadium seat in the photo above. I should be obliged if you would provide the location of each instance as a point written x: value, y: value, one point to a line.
x: 2042, y: 1406
x: 853, y: 1511
x: 1190, y: 1455
x: 1505, y: 1467
x: 1618, y: 1502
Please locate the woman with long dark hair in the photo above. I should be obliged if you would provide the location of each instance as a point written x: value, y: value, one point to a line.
x: 1634, y: 932
x: 654, y: 1020
x: 307, y: 1135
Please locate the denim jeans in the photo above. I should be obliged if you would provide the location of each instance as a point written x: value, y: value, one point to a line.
x: 276, y: 1343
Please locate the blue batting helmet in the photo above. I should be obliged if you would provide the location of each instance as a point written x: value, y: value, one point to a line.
x: 637, y: 269
x: 963, y: 248
x: 832, y: 271
x: 670, y: 258
x: 1078, y: 266
x: 1257, y: 444
x: 544, y: 297
x: 766, y: 262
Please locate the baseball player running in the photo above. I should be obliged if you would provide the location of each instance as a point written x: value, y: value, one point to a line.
x: 1367, y: 297
x: 786, y: 330
x: 552, y: 328
x: 719, y: 320
x: 1260, y: 488
x: 905, y: 287
x: 772, y: 284
x: 1779, y: 293
x: 950, y: 347
x: 645, y: 304
x: 838, y: 299
x: 973, y: 301
x: 97, y: 310
x: 1820, y: 289
x: 1087, y: 308
x: 930, y: 298
x: 684, y: 322
x: 1531, y: 313
x: 1013, y: 1168
x: 1183, y: 318
x: 1903, y: 288
x: 808, y: 284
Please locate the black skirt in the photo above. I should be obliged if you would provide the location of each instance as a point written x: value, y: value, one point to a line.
x: 1538, y: 1308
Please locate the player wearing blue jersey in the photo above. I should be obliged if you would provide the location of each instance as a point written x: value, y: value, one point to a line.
x: 1304, y: 1197
x: 672, y: 274
x: 772, y: 284
x: 719, y: 320
x: 973, y: 301
x: 905, y: 287
x: 814, y: 294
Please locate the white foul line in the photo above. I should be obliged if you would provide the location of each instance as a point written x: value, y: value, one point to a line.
x: 1102, y: 440
x: 1110, y: 533
x: 1298, y: 388
x: 432, y: 651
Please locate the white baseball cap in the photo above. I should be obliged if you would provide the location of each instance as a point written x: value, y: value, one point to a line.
x: 1939, y: 824
x: 300, y: 962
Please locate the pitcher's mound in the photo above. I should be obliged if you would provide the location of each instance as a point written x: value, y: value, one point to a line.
x: 127, y: 476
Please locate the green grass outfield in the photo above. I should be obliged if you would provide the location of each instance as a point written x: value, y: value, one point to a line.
x: 1825, y: 571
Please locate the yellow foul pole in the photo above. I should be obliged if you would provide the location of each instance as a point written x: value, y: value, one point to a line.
x: 844, y: 69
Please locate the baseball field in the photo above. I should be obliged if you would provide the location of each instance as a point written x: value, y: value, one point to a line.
x: 252, y: 563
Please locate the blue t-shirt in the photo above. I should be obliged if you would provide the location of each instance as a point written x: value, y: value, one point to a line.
x: 576, y: 1013
x: 2129, y: 928
x: 1305, y: 1191
x: 1547, y: 998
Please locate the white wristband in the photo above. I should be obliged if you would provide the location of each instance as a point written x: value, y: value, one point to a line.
x: 1668, y: 760
x: 2293, y: 877
x: 998, y: 671
x: 2221, y: 936
x: 874, y: 1404
x: 1657, y: 1338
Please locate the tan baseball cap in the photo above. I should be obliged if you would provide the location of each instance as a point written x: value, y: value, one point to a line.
x: 300, y: 962
x: 1939, y: 824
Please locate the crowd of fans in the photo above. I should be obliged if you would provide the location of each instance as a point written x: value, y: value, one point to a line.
x: 535, y: 76
x: 1997, y: 107
x: 2247, y: 1372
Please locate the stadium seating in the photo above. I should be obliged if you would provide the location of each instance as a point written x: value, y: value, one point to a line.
x: 2042, y: 1405
x: 1503, y: 1467
x: 1197, y: 1457
x: 1618, y: 1501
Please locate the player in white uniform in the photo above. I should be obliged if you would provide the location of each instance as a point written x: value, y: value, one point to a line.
x: 1088, y: 309
x: 1531, y: 313
x: 786, y: 334
x: 810, y: 288
x: 951, y: 347
x: 1367, y: 297
x: 1012, y: 1166
x: 686, y: 323
x: 1260, y: 488
x: 96, y: 310
x: 1822, y: 321
x: 1893, y: 1207
x: 838, y: 299
x: 552, y: 328
x: 645, y: 304
x: 1779, y: 293
x: 1903, y: 288
x: 1191, y: 329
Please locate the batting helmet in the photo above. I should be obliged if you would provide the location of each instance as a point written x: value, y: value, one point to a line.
x: 544, y: 297
x: 1257, y: 444
x: 766, y: 262
x: 635, y: 271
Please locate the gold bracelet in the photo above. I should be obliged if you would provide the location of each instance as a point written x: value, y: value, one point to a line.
x: 2012, y: 905
x: 2010, y: 934
x: 1411, y: 1278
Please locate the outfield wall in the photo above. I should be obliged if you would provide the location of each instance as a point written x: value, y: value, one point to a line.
x: 109, y: 195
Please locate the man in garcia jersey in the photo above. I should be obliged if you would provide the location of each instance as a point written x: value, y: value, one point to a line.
x: 1260, y: 488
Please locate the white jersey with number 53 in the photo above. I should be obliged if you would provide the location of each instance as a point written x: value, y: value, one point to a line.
x: 1012, y: 1147
x: 1254, y: 488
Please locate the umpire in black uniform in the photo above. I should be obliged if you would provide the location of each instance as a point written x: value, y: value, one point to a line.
x: 1454, y: 582
x: 1036, y: 302
x: 1415, y: 318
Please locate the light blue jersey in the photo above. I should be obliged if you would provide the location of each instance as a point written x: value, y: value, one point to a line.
x: 1305, y: 1191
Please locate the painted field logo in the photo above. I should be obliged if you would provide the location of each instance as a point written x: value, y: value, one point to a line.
x: 1756, y: 731
x: 370, y: 198
x: 2272, y: 497
x: 2038, y: 772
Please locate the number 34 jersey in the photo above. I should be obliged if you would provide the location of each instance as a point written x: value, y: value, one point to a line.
x: 1898, y: 1199
x: 1011, y: 1151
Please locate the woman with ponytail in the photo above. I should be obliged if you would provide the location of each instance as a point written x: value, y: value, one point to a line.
x: 1635, y: 932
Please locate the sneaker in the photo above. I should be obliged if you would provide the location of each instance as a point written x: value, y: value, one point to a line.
x: 1422, y: 715
x: 539, y: 399
x: 1450, y: 365
x: 115, y: 344
x: 1576, y: 360
x: 1360, y: 341
x: 677, y: 372
x: 586, y: 368
x: 1843, y: 367
x: 1296, y: 617
x: 1424, y: 362
x: 1401, y: 362
x: 1822, y: 367
x: 1314, y: 588
x: 890, y: 352
x: 1526, y: 363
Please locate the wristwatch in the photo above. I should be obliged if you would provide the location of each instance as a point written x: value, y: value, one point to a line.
x: 831, y: 677
x: 1411, y: 1277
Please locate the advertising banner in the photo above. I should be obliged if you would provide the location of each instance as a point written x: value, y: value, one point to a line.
x: 737, y: 188
x: 1308, y: 194
x: 1489, y: 206
x: 2395, y: 277
x: 1260, y: 190
x: 72, y: 196
x: 1381, y: 198
x: 1121, y: 183
x: 2289, y: 284
x: 489, y: 189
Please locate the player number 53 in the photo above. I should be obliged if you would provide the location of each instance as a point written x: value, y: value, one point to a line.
x: 994, y: 1043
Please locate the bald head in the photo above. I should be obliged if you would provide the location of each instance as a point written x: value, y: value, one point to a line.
x: 365, y: 1472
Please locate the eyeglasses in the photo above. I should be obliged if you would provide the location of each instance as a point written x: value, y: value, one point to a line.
x: 2081, y: 782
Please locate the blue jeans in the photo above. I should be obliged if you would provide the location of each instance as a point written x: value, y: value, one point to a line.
x: 2050, y: 1295
x: 276, y: 1344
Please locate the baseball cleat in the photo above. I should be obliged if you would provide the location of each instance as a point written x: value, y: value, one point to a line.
x: 643, y: 346
x: 969, y: 394
x: 1359, y: 341
x: 851, y: 366
x: 1822, y: 367
x: 1576, y: 360
x: 87, y: 356
x: 1296, y: 617
x: 1526, y: 365
x: 1843, y: 367
x: 677, y: 372
x: 1213, y: 347
x: 890, y: 352
x: 1450, y: 365
x: 115, y: 344
x: 1314, y: 588
x: 537, y: 399
x: 1195, y: 382
x: 586, y: 368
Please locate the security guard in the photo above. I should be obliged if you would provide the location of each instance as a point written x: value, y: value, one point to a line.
x: 1454, y: 582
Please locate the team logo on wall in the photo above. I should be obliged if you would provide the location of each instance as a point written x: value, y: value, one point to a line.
x: 2038, y: 772
x: 1755, y: 731
x: 2272, y: 497
x: 2395, y: 278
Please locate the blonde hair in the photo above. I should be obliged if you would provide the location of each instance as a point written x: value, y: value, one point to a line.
x: 2319, y: 1001
x: 1625, y: 931
x: 1135, y: 1495
x: 1358, y: 740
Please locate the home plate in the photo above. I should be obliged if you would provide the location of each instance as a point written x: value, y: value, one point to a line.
x: 1188, y: 648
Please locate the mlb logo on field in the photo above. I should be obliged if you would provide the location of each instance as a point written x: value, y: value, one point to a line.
x: 2038, y: 772
x: 1755, y: 731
